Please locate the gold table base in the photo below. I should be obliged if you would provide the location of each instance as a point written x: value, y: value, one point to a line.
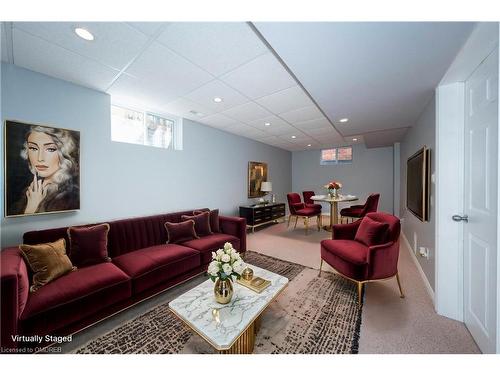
x: 246, y: 342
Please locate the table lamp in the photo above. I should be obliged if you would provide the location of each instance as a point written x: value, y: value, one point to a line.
x: 267, y: 187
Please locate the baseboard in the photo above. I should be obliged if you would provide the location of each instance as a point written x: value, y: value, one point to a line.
x: 419, y: 268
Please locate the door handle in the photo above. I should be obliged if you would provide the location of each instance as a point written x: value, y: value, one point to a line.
x: 460, y: 218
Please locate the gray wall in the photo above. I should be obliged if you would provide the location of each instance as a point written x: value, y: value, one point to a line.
x: 121, y: 180
x: 370, y: 171
x: 418, y: 233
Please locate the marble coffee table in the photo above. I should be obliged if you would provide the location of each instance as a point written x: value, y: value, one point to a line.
x: 228, y: 328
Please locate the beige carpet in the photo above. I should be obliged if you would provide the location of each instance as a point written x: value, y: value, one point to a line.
x: 389, y: 324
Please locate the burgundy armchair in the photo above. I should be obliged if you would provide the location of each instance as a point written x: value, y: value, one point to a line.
x: 309, y: 202
x: 364, y: 251
x: 299, y: 209
x: 360, y: 210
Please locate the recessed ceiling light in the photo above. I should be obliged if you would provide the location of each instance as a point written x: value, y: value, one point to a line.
x: 84, y: 33
x: 309, y: 145
x: 217, y: 99
x: 344, y: 119
x: 355, y: 139
x: 267, y: 124
x: 293, y: 137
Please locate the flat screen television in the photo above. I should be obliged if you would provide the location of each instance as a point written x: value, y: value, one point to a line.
x: 417, y: 184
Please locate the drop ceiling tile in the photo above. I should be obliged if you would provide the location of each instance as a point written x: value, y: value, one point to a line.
x: 144, y: 92
x: 302, y: 114
x: 115, y: 43
x: 275, y: 122
x: 205, y: 95
x: 281, y: 130
x: 149, y: 28
x: 328, y: 130
x: 217, y: 47
x: 168, y: 75
x: 299, y: 137
x: 313, y: 124
x: 40, y: 56
x: 183, y: 108
x: 247, y: 112
x: 219, y: 121
x: 285, y: 100
x: 260, y: 77
x: 248, y: 131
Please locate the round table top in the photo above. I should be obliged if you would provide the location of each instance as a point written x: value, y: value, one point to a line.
x: 340, y: 198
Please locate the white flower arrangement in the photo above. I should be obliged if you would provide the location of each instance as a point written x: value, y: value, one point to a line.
x: 226, y: 263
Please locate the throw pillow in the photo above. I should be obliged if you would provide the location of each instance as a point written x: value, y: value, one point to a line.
x: 180, y: 232
x: 371, y: 232
x: 89, y: 245
x: 201, y: 223
x: 214, y: 219
x: 48, y: 261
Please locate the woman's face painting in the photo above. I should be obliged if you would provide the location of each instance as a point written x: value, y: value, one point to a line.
x: 42, y: 154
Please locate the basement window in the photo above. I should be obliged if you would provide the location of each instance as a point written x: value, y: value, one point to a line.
x: 338, y: 155
x: 145, y: 128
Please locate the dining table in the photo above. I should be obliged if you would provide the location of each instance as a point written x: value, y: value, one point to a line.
x: 334, y: 209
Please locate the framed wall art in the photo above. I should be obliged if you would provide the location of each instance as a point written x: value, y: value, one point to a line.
x: 257, y: 173
x: 42, y: 169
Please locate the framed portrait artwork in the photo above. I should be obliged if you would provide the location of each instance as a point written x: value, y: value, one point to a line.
x: 42, y: 169
x: 257, y: 173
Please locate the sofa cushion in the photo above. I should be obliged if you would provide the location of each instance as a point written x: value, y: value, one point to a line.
x: 214, y: 219
x: 47, y: 261
x: 88, y: 245
x: 156, y: 264
x: 371, y: 232
x: 211, y: 243
x: 180, y: 232
x: 201, y: 223
x: 75, y: 296
x: 346, y: 256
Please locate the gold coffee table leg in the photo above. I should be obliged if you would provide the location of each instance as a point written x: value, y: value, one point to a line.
x: 245, y: 343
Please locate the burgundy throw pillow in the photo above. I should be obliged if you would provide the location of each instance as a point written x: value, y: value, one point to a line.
x: 201, y: 223
x: 371, y: 232
x: 214, y: 219
x: 180, y: 232
x: 89, y: 245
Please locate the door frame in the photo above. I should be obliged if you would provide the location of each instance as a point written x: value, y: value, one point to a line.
x: 450, y: 127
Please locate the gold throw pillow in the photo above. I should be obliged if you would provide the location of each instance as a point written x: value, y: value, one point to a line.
x: 48, y: 261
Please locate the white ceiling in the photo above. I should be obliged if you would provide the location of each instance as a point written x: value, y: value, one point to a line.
x: 378, y: 75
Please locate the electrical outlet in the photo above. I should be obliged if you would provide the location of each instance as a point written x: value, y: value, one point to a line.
x: 424, y: 252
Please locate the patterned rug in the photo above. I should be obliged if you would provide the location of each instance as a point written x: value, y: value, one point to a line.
x: 313, y: 315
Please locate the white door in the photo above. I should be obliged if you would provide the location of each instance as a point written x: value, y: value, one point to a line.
x: 480, y: 232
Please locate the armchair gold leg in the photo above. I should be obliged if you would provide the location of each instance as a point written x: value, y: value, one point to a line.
x: 360, y: 293
x: 401, y: 294
x: 318, y: 222
x: 289, y: 218
x: 296, y: 219
x: 320, y: 266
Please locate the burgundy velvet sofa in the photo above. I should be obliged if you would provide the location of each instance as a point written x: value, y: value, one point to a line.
x: 142, y: 265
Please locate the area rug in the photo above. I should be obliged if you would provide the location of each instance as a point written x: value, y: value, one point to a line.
x: 313, y: 315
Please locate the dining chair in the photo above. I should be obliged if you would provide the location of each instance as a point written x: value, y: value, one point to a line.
x: 358, y: 211
x: 299, y: 209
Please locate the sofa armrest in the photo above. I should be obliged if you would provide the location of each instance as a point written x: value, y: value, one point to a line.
x: 345, y: 231
x: 235, y: 226
x: 14, y: 284
x: 383, y: 260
